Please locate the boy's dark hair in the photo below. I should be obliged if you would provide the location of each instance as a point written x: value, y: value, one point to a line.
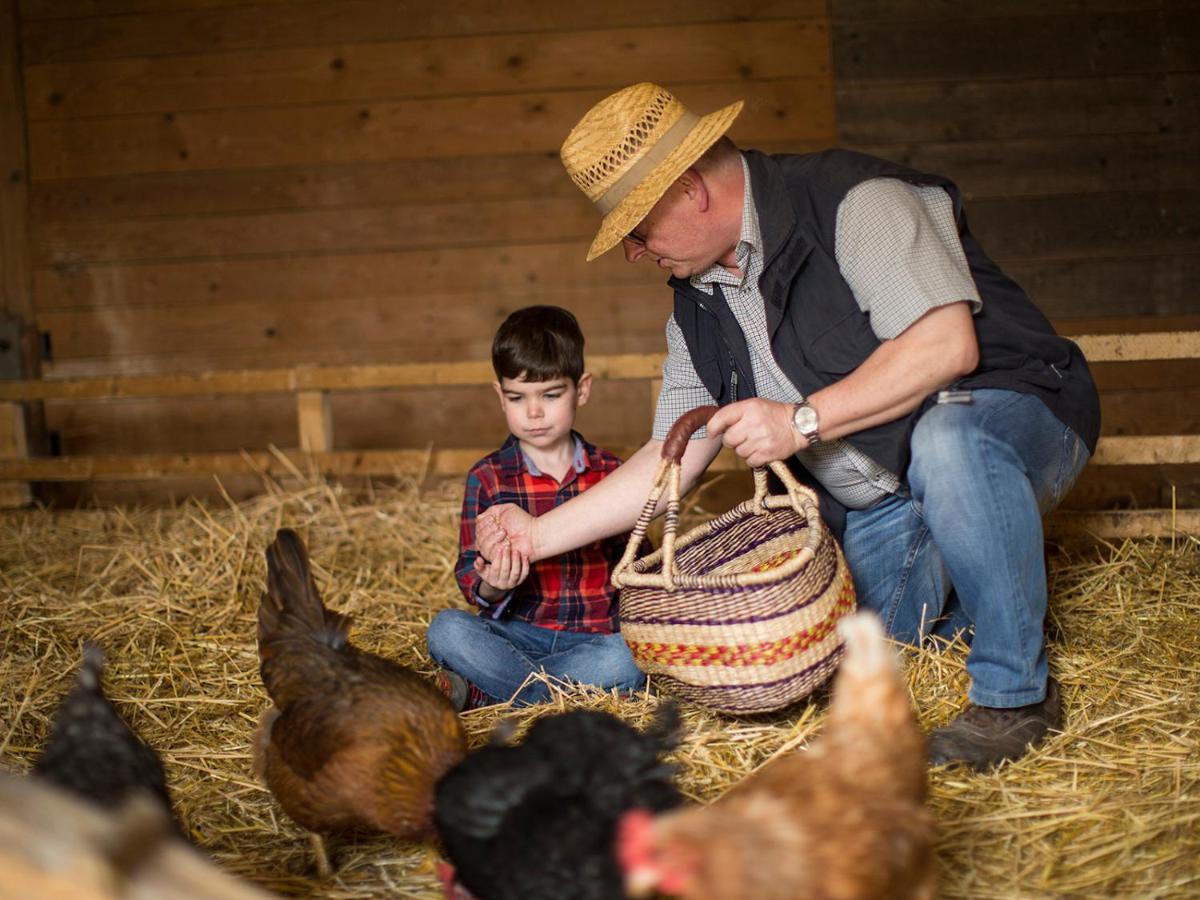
x: 538, y: 343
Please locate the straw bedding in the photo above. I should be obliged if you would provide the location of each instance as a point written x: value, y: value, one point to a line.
x: 1109, y: 808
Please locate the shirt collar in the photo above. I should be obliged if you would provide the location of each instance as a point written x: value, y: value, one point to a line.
x: 749, y: 240
x: 579, y: 462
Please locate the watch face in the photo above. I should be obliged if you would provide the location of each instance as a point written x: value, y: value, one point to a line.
x: 805, y: 419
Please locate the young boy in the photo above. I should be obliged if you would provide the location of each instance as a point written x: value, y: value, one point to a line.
x: 560, y: 615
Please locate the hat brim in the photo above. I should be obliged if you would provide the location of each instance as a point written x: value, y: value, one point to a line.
x: 630, y: 211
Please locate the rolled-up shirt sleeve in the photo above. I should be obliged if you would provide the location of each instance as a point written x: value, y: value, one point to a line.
x: 898, y: 248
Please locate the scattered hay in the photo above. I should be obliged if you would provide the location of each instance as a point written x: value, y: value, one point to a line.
x: 1109, y: 808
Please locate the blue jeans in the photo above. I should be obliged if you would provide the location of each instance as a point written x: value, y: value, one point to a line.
x: 498, y: 655
x: 981, y: 476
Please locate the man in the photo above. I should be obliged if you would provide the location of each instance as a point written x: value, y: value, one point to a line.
x: 840, y: 311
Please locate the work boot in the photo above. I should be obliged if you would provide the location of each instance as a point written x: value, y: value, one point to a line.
x: 983, y: 736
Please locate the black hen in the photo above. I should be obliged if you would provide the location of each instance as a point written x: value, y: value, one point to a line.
x: 92, y: 752
x: 538, y: 820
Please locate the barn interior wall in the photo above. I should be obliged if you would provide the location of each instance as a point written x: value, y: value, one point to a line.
x: 221, y: 184
x: 1073, y: 129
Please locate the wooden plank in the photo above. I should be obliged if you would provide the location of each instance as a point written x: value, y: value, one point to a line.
x: 14, y: 444
x: 16, y: 294
x: 1169, y: 345
x: 1055, y: 45
x: 1060, y: 165
x: 852, y: 11
x: 1147, y: 450
x: 1123, y: 286
x: 1083, y: 225
x: 326, y: 378
x: 1135, y: 487
x: 390, y: 183
x: 506, y: 269
x: 314, y: 415
x: 505, y: 63
x: 1121, y: 524
x: 368, y: 329
x: 270, y: 462
x: 173, y: 31
x: 1165, y: 411
x: 1127, y: 347
x: 1023, y: 108
x: 1153, y: 375
x: 373, y: 229
x: 795, y: 109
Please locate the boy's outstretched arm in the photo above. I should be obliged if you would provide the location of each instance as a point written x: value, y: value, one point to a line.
x: 608, y: 508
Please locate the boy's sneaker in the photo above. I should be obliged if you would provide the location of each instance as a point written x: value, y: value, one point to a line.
x: 456, y: 688
x: 983, y: 736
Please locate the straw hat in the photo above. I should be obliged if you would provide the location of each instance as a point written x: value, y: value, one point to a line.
x: 630, y: 147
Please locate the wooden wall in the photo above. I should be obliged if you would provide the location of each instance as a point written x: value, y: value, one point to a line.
x: 220, y: 183
x: 224, y: 184
x: 1073, y: 129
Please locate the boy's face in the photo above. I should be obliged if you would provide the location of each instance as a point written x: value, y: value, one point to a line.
x: 542, y: 413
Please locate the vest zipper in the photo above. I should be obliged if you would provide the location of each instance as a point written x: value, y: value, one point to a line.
x: 733, y: 379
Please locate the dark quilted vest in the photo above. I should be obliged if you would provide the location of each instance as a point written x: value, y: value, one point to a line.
x: 819, y: 334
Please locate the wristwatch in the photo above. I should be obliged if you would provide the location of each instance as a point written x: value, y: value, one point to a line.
x: 806, y: 421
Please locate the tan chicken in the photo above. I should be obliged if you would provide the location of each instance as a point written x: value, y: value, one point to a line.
x: 843, y: 821
x: 354, y: 741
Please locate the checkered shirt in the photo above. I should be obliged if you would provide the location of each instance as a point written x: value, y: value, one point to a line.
x: 569, y: 592
x: 897, y: 247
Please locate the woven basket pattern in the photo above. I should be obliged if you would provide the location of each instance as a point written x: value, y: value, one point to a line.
x: 743, y: 649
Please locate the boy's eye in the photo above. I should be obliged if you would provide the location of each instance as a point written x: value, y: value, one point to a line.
x: 553, y: 396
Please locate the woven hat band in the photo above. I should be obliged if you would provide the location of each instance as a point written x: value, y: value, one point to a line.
x: 635, y: 174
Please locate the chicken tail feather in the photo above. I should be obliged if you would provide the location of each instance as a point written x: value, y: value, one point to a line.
x: 292, y: 606
x: 92, y: 668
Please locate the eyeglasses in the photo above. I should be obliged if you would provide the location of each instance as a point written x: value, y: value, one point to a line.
x: 634, y: 238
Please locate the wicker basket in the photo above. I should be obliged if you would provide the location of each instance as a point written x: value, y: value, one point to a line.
x: 739, y: 614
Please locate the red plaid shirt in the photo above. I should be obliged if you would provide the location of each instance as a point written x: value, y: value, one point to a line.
x: 569, y: 592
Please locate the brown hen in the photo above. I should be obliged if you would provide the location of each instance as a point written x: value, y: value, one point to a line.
x: 843, y: 821
x: 354, y: 741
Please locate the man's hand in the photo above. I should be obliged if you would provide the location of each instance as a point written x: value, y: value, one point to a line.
x: 501, y: 527
x: 759, y: 431
x: 508, y: 570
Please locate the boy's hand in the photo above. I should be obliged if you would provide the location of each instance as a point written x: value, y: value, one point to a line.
x: 508, y: 570
x: 502, y: 526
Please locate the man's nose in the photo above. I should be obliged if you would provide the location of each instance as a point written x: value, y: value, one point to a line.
x: 633, y: 250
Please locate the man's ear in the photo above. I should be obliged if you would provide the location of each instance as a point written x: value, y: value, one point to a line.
x: 694, y: 186
x: 583, y: 389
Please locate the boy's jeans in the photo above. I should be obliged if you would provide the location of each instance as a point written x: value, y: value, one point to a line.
x: 981, y: 476
x: 497, y: 656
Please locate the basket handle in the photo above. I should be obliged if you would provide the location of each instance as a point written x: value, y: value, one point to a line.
x: 667, y: 478
x: 683, y: 429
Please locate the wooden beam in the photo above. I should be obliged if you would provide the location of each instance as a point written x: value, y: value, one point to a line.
x: 1146, y: 450
x: 14, y: 444
x: 1125, y: 523
x: 305, y: 378
x: 314, y: 414
x: 1130, y: 347
x: 450, y: 461
x: 16, y: 295
x: 1172, y: 345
